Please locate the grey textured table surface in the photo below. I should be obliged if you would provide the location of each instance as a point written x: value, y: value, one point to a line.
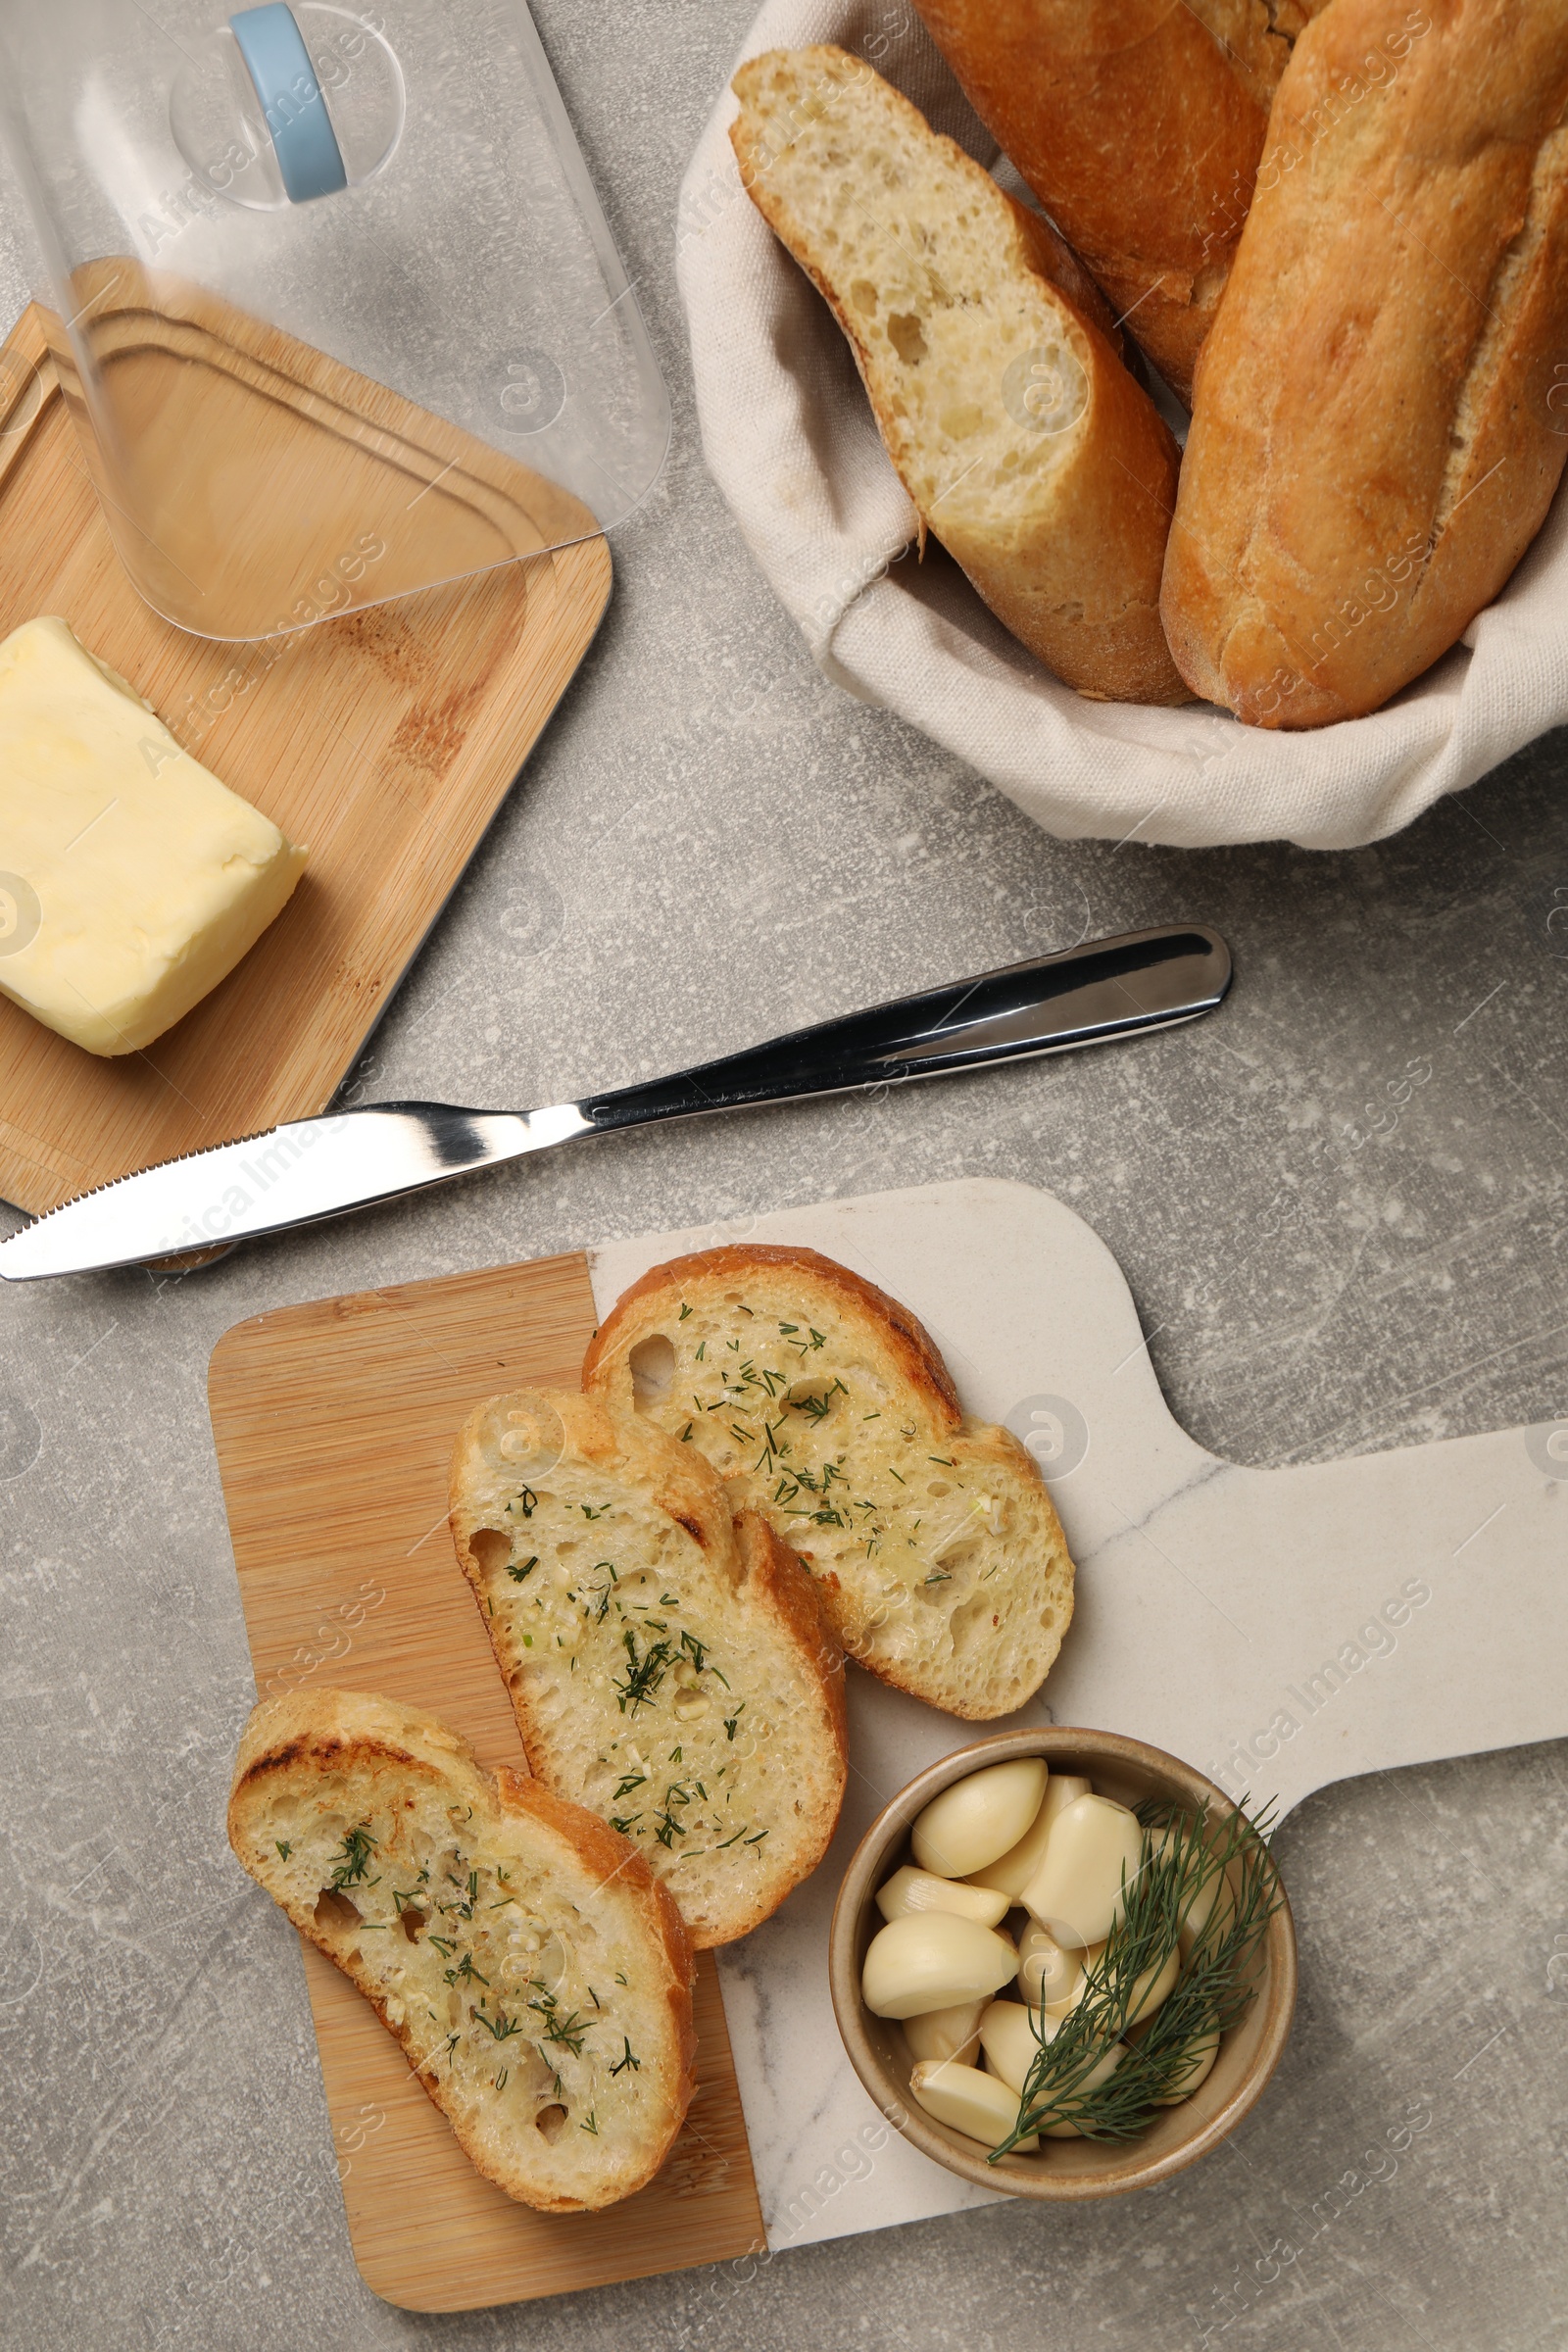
x: 710, y: 845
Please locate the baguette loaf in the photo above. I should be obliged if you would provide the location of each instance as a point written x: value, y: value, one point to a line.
x: 1379, y: 429
x: 1021, y: 439
x: 536, y: 1975
x: 1138, y: 125
x: 669, y: 1662
x: 931, y: 1536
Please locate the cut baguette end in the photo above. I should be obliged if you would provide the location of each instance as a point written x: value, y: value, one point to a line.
x: 1025, y: 445
x: 666, y: 1656
x: 358, y: 1815
x: 932, y: 1539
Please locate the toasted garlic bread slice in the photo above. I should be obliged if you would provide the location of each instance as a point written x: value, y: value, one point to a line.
x: 1023, y: 441
x: 934, y: 1544
x: 537, y: 1976
x: 669, y: 1662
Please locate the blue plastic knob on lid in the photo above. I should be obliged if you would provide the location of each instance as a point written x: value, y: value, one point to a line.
x: 292, y: 99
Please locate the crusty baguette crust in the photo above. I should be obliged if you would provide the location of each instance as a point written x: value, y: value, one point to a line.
x: 1374, y: 444
x: 1063, y: 536
x: 394, y: 1759
x: 1138, y: 125
x: 745, y: 1599
x: 908, y: 1343
x: 948, y: 1575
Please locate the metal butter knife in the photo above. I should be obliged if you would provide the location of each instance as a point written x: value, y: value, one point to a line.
x: 314, y: 1168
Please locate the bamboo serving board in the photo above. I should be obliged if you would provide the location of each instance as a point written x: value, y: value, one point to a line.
x: 334, y: 1425
x: 385, y: 739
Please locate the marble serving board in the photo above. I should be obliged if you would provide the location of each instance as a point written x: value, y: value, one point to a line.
x: 1279, y: 1629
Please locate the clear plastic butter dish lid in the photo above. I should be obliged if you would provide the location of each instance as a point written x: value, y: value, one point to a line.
x: 333, y: 297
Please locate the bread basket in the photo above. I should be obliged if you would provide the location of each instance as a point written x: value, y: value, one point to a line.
x: 789, y: 441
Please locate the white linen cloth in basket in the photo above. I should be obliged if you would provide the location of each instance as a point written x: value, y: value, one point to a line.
x: 789, y: 438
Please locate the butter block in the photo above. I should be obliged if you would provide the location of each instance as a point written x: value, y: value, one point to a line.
x: 131, y: 881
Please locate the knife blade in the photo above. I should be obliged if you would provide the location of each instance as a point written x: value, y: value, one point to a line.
x: 309, y: 1170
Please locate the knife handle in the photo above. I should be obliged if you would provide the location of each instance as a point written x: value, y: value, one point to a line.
x: 1085, y: 995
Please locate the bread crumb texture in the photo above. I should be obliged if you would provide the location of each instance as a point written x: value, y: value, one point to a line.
x: 1021, y: 437
x: 920, y: 245
x: 930, y: 1535
x: 537, y: 1978
x: 669, y: 1666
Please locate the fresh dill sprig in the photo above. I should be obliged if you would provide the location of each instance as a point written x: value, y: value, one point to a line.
x: 668, y: 1827
x: 1184, y: 1857
x: 643, y: 1675
x: 501, y: 2027
x: 358, y: 1848
x: 603, y: 1592
x: 568, y: 2030
x: 695, y: 1650
x: 464, y: 1972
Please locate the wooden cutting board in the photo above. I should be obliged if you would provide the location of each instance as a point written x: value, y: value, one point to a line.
x: 385, y: 740
x: 334, y: 1425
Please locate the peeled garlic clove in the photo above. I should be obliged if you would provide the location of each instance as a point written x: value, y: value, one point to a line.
x: 969, y: 2101
x: 1154, y: 1986
x: 1219, y: 1898
x: 1095, y: 1846
x: 1102, y: 2068
x: 1197, y: 1917
x: 1204, y: 2053
x: 933, y: 1960
x: 1012, y: 1871
x: 1046, y: 1973
x: 1012, y: 2046
x: 946, y: 2033
x: 1012, y: 2036
x: 1064, y: 1789
x: 1085, y: 1960
x: 923, y: 1890
x: 1215, y: 1890
x: 979, y: 1818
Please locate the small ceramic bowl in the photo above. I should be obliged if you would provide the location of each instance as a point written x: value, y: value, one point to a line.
x: 1062, y: 2169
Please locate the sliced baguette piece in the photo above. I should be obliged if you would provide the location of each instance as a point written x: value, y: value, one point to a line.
x: 1023, y: 441
x: 933, y: 1542
x: 667, y: 1660
x: 513, y: 1946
